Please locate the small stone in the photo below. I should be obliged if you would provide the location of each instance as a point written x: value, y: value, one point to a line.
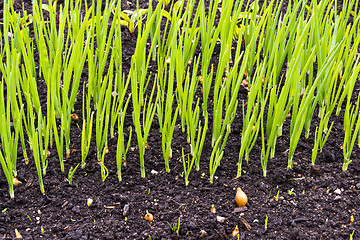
x: 76, y: 209
x: 154, y: 172
x: 240, y: 209
x: 337, y: 191
x: 337, y: 198
x: 358, y: 186
x: 203, y: 234
x: 126, y: 210
x: 220, y: 219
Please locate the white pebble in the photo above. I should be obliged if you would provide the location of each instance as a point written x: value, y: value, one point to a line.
x: 220, y: 219
x: 337, y: 191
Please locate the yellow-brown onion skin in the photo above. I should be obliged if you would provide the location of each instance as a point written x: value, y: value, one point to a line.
x: 241, y: 198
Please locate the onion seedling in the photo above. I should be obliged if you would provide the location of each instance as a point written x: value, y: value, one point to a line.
x: 189, y: 31
x: 225, y: 89
x: 349, y: 67
x: 59, y: 138
x: 86, y: 128
x: 331, y: 95
x: 103, y: 111
x: 252, y: 118
x: 37, y: 148
x: 130, y: 22
x: 71, y: 174
x: 65, y: 117
x: 175, y: 228
x: 186, y: 87
x: 6, y: 162
x: 138, y: 74
x: 209, y: 36
x: 121, y: 151
x: 142, y: 133
x: 216, y: 156
x: 187, y: 164
x: 167, y: 118
x: 351, y: 130
x: 44, y: 133
x: 186, y: 98
x: 196, y: 147
x: 118, y: 110
x: 298, y: 120
x: 319, y: 139
x: 10, y: 112
x: 103, y: 168
x: 98, y: 57
x: 121, y: 85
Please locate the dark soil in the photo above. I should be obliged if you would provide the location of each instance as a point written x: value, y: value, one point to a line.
x: 303, y: 203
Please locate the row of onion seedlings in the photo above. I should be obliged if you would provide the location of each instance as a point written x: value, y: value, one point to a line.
x: 316, y: 44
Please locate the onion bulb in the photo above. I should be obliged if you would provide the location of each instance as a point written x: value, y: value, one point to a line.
x: 89, y: 202
x: 75, y: 117
x: 17, y: 234
x: 240, y: 198
x: 16, y: 181
x: 235, y: 232
x: 201, y: 79
x: 149, y: 217
x: 213, y: 209
x: 246, y: 73
x: 245, y: 83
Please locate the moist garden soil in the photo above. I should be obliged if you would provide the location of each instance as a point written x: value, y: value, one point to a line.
x: 306, y: 202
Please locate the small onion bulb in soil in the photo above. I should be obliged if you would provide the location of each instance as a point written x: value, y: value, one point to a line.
x: 235, y: 232
x: 17, y: 234
x: 213, y: 209
x: 240, y: 198
x: 75, y: 117
x: 16, y: 181
x: 149, y: 217
x: 89, y: 202
x: 246, y: 73
x: 245, y: 83
x: 201, y: 79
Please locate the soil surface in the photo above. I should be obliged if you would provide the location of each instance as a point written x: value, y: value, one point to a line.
x: 306, y: 202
